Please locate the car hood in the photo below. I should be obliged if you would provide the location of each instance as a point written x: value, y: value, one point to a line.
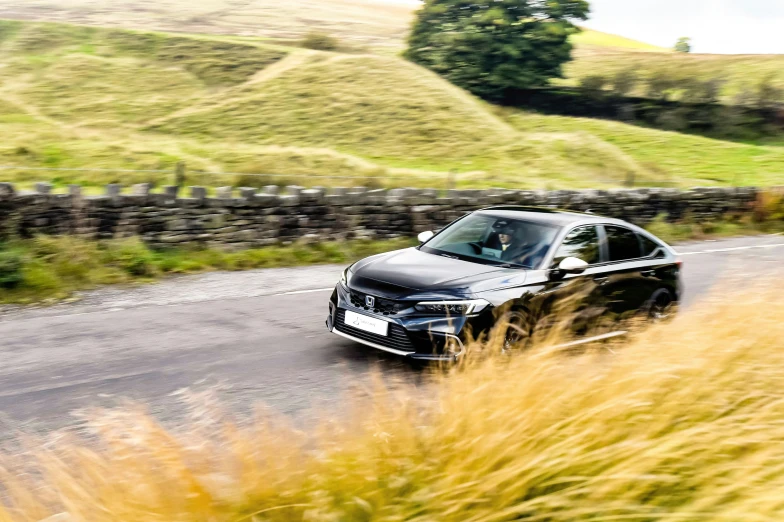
x: 413, y: 273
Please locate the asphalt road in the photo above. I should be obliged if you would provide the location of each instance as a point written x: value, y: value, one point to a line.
x: 247, y: 337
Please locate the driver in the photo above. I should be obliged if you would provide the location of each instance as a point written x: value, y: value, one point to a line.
x: 512, y: 245
x: 515, y: 245
x: 506, y: 237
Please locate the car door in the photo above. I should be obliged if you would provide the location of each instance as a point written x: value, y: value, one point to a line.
x: 628, y: 284
x: 578, y: 296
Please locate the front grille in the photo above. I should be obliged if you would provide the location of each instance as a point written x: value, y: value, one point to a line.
x: 396, y: 337
x: 382, y: 306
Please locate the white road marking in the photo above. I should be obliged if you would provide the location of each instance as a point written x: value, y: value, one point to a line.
x: 733, y: 249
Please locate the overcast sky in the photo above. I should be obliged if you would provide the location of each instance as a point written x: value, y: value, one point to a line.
x: 715, y: 26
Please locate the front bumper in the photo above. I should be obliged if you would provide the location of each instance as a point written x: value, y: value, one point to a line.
x: 412, y: 336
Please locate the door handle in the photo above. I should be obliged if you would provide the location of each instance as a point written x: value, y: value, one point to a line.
x: 601, y: 280
x: 648, y: 273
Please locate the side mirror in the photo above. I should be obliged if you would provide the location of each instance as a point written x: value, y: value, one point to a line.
x: 424, y: 237
x: 573, y: 265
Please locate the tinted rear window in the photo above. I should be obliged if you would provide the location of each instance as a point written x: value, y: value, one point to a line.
x: 648, y: 246
x: 622, y: 243
x: 582, y: 243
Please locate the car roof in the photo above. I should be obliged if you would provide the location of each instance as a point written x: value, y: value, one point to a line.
x: 547, y: 216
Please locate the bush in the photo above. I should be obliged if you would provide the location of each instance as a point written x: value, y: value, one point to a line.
x: 593, y: 83
x: 132, y: 256
x: 11, y: 265
x: 769, y: 207
x: 320, y: 42
x: 624, y: 82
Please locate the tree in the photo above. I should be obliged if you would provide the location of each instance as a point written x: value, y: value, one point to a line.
x: 683, y: 45
x: 492, y: 47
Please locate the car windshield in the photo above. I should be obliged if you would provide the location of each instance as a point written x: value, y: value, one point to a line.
x: 494, y: 240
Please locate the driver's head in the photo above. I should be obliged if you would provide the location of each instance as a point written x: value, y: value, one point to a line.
x: 505, y: 235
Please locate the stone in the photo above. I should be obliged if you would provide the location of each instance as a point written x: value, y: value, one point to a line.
x: 267, y: 200
x: 43, y: 188
x: 141, y: 189
x: 171, y: 191
x: 224, y: 192
x: 113, y: 190
x: 289, y: 200
x: 198, y: 193
x: 248, y: 193
x: 7, y: 189
x: 311, y: 195
x: 271, y: 189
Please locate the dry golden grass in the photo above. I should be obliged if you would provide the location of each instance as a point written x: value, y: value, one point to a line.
x: 684, y: 423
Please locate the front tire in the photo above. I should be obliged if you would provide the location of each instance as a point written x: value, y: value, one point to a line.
x: 519, y: 331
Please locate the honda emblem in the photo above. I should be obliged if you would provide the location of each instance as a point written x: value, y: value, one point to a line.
x: 370, y: 301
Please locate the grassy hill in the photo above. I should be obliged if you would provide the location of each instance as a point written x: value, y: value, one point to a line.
x: 737, y: 72
x: 589, y: 38
x: 360, y: 21
x: 363, y: 22
x: 382, y: 27
x: 90, y: 97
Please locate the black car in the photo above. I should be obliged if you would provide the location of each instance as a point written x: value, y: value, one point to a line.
x: 510, y: 262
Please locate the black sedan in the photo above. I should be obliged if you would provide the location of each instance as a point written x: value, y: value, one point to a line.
x: 505, y: 262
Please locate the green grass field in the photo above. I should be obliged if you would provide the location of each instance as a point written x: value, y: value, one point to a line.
x: 76, y: 96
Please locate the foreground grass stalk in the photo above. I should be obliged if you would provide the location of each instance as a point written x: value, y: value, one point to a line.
x: 685, y: 422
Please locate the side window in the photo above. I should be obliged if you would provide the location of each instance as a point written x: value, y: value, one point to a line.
x: 623, y: 243
x: 582, y: 243
x: 648, y: 246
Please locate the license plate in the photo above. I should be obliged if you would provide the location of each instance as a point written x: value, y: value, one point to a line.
x: 365, y: 323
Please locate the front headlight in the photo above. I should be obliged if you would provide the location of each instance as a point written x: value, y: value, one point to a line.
x: 346, y: 277
x: 473, y: 306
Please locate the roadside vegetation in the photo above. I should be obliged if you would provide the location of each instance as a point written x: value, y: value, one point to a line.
x: 683, y: 422
x: 47, y: 269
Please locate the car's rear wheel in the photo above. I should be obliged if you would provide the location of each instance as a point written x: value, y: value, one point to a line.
x: 662, y: 306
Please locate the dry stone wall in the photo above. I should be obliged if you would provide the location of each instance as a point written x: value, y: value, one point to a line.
x: 245, y: 218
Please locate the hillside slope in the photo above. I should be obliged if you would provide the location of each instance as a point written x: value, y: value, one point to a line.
x: 588, y: 38
x: 368, y: 22
x: 378, y: 26
x: 89, y: 97
x: 737, y: 73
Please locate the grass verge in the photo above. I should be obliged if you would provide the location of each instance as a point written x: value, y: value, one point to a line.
x: 728, y: 227
x: 683, y: 423
x: 52, y: 268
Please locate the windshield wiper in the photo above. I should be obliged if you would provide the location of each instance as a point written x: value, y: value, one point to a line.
x: 450, y: 257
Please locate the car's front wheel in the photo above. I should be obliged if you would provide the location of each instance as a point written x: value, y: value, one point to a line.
x: 519, y: 331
